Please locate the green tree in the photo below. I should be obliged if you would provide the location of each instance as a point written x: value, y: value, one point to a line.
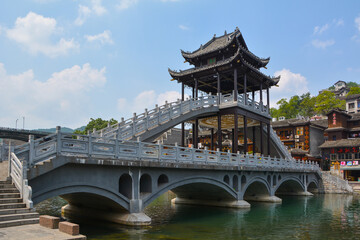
x: 97, y: 124
x: 274, y: 112
x: 307, y: 105
x: 327, y: 101
x: 354, y: 90
x: 352, y: 84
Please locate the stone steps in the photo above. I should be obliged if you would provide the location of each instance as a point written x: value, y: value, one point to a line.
x: 9, y: 195
x: 13, y: 211
x: 9, y: 190
x: 18, y: 216
x: 19, y: 222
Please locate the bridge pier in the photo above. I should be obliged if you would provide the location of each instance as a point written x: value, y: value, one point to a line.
x: 264, y: 198
x: 223, y: 203
x: 126, y: 218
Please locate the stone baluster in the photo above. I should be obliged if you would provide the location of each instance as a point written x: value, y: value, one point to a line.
x: 58, y: 140
x: 31, y: 151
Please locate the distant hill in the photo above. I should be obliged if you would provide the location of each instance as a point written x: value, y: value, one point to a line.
x: 63, y: 129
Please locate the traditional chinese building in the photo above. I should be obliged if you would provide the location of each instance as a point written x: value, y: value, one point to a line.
x: 302, y: 137
x: 341, y: 149
x: 224, y: 66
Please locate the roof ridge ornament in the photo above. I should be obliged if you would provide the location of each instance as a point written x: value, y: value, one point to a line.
x: 225, y: 33
x: 214, y: 36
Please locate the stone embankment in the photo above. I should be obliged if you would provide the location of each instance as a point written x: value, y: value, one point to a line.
x: 334, y: 184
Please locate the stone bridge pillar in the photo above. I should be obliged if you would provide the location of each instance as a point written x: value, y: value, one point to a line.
x: 136, y: 215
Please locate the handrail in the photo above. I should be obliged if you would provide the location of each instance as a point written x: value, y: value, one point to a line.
x: 138, y: 124
x: 92, y: 146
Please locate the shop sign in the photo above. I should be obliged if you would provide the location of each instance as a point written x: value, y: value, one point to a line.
x: 343, y: 163
x: 355, y: 163
x: 349, y: 163
x: 345, y: 150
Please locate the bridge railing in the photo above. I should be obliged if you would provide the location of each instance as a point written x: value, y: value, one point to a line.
x: 138, y: 124
x: 18, y: 173
x: 89, y: 146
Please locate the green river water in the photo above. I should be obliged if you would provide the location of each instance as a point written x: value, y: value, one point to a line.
x: 317, y: 217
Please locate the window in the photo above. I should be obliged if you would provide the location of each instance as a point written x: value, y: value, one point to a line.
x: 341, y: 156
x: 334, y: 137
x: 211, y: 61
x: 348, y: 156
x: 357, y: 155
x: 358, y: 104
x: 351, y: 105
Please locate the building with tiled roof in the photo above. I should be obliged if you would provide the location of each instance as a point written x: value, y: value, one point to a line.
x: 302, y: 137
x: 342, y: 148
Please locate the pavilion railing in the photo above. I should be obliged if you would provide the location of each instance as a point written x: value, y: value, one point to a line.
x: 148, y: 120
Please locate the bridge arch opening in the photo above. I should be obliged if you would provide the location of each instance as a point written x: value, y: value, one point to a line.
x: 125, y: 185
x: 226, y: 179
x: 313, y: 187
x: 290, y: 187
x: 163, y: 179
x: 235, y: 183
x: 145, y: 184
x: 269, y: 179
x: 258, y: 190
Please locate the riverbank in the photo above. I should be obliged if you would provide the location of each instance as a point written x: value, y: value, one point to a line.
x: 35, y: 232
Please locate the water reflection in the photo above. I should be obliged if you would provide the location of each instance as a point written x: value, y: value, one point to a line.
x: 317, y: 217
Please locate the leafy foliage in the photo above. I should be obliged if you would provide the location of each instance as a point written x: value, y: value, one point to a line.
x: 327, y: 101
x: 96, y: 124
x: 354, y: 90
x: 352, y: 84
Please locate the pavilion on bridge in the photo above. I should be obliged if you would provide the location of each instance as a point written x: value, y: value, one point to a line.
x: 225, y: 66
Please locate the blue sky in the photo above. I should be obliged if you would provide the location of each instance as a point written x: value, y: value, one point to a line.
x: 62, y: 62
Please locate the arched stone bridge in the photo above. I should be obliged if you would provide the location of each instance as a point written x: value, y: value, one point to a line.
x: 117, y: 179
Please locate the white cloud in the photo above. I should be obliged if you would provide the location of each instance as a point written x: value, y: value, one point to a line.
x: 34, y: 33
x: 320, y: 29
x: 125, y: 4
x: 339, y: 22
x: 103, y: 38
x: 357, y: 23
x: 290, y: 84
x: 84, y: 12
x: 183, y: 27
x: 322, y: 44
x: 147, y: 99
x: 60, y: 100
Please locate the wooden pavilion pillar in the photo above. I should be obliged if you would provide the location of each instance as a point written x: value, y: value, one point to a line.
x: 182, y: 124
x: 254, y: 138
x: 219, y: 134
x: 196, y: 132
x: 245, y: 95
x: 268, y: 99
x: 261, y: 96
x: 212, y: 139
x: 253, y: 95
x: 245, y: 135
x: 193, y: 125
x: 236, y: 132
x: 233, y: 140
x: 218, y: 83
x: 261, y: 139
x: 235, y: 85
x: 268, y: 139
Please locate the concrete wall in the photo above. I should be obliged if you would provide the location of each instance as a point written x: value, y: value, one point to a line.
x: 316, y: 139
